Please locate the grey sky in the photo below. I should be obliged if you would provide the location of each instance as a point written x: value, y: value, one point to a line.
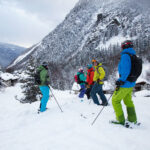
x: 26, y: 22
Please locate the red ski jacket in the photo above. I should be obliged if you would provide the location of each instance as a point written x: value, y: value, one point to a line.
x: 90, y: 76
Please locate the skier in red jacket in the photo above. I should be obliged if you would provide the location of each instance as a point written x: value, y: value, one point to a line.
x: 89, y: 79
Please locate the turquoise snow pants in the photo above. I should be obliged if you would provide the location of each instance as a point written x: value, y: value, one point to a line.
x: 44, y: 100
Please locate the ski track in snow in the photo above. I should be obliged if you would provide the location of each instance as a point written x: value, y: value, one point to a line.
x: 21, y: 128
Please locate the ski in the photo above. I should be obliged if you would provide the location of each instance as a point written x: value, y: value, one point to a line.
x: 133, y: 125
x: 40, y: 111
x: 117, y: 123
x: 126, y: 125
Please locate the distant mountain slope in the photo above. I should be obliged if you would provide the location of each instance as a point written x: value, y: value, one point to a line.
x: 93, y: 29
x: 8, y: 53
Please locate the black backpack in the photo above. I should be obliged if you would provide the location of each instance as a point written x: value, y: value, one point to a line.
x: 37, y: 78
x: 78, y: 79
x: 136, y: 68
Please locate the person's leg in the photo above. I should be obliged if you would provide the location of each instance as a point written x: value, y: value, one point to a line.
x: 93, y: 93
x: 88, y: 91
x: 101, y: 94
x: 116, y: 102
x: 82, y: 92
x: 44, y: 100
x: 130, y: 106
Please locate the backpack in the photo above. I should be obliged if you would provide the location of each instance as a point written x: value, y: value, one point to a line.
x: 106, y: 72
x: 136, y: 68
x: 77, y: 79
x: 37, y: 78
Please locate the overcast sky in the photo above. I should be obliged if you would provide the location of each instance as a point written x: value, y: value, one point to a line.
x: 26, y: 22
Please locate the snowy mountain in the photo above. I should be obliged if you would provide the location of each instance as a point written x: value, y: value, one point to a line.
x: 93, y: 29
x: 8, y: 53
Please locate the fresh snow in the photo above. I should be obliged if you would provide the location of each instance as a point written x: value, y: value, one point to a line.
x: 21, y: 128
x: 75, y: 87
x: 114, y: 41
x: 143, y: 93
x: 7, y: 76
x: 145, y: 71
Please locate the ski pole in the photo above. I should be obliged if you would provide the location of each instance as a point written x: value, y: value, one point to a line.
x: 90, y: 101
x: 55, y: 99
x: 101, y: 111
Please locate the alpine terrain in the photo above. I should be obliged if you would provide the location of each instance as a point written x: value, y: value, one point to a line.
x: 57, y: 95
x: 93, y: 29
x: 8, y: 53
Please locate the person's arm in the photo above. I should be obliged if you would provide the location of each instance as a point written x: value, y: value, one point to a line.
x: 102, y: 73
x: 87, y: 78
x: 96, y: 76
x: 124, y: 67
x: 91, y: 77
x: 43, y: 76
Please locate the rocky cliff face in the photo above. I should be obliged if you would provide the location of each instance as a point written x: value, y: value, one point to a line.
x: 93, y: 29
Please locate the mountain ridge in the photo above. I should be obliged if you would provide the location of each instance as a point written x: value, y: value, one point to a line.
x: 9, y: 52
x: 93, y: 29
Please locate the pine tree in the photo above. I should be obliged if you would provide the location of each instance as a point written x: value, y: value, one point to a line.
x: 30, y: 89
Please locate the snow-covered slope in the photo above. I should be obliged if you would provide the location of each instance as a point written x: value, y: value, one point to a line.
x: 93, y: 29
x: 145, y: 75
x: 21, y: 128
x: 8, y: 53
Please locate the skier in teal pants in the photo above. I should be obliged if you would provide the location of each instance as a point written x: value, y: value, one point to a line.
x: 44, y: 100
x: 44, y: 82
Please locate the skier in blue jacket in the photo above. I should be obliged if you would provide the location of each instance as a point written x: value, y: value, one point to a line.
x: 124, y: 87
x: 124, y: 67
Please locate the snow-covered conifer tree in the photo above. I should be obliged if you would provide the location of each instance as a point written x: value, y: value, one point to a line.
x: 30, y: 89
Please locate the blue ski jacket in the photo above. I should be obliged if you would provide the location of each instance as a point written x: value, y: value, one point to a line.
x: 124, y: 67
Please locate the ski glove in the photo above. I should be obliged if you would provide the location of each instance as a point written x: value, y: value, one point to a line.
x: 98, y: 80
x: 119, y: 83
x: 47, y: 83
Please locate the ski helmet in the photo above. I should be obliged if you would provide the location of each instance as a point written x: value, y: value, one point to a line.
x: 81, y: 70
x: 127, y: 44
x: 93, y: 61
x: 89, y: 66
x: 45, y: 64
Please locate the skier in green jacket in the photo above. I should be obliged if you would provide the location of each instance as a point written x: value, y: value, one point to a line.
x: 44, y: 82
